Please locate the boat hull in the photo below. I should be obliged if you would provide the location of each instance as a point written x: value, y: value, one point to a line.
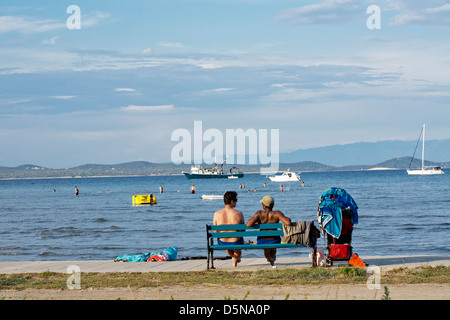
x: 424, y: 172
x: 287, y: 176
x: 275, y: 179
x: 212, y: 176
x: 212, y: 197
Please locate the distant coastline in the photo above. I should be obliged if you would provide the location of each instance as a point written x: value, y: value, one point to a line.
x: 145, y: 168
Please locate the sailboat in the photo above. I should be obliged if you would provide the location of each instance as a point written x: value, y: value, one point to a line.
x: 424, y: 170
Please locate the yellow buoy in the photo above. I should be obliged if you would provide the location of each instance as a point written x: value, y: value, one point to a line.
x: 144, y: 199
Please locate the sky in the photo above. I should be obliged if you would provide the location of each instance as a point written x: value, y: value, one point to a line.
x: 115, y: 87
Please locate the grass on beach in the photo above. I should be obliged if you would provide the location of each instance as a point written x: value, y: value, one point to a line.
x: 276, y: 277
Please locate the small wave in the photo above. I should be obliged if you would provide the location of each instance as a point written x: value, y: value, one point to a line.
x: 113, y: 227
x: 59, y: 233
x: 9, y: 248
x: 100, y: 220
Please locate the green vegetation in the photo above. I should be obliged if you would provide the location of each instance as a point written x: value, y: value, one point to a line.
x: 276, y: 277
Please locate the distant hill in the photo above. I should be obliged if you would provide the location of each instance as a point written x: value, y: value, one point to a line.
x: 143, y: 168
x: 140, y: 168
x: 368, y: 153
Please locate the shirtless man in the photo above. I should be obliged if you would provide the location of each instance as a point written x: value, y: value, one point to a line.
x: 267, y: 215
x: 229, y: 215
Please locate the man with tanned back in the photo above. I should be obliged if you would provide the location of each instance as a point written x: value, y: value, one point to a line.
x: 267, y: 215
x: 229, y: 215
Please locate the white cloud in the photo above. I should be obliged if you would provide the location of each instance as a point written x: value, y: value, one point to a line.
x: 92, y: 20
x: 64, y: 97
x: 326, y: 12
x: 125, y: 90
x: 51, y: 41
x: 171, y: 44
x: 329, y: 12
x: 414, y: 12
x: 445, y: 7
x: 218, y: 90
x: 28, y: 24
x: 142, y: 109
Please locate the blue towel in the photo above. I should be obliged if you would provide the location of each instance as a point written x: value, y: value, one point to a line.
x: 331, y: 210
x: 171, y: 253
x: 331, y: 217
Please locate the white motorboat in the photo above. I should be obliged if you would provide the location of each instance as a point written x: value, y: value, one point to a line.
x: 286, y: 176
x: 424, y: 170
x: 212, y: 197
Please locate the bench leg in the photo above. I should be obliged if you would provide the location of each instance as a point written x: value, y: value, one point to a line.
x: 212, y: 259
x: 207, y: 261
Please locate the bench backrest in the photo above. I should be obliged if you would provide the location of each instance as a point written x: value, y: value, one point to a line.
x: 241, y: 230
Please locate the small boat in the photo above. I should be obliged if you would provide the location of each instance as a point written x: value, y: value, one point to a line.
x: 286, y: 176
x: 424, y: 170
x: 144, y: 199
x: 197, y: 172
x: 212, y: 197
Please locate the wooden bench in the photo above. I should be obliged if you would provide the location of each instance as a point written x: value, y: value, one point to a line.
x: 241, y: 230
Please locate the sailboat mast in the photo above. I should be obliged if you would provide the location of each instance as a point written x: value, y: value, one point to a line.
x: 423, y: 147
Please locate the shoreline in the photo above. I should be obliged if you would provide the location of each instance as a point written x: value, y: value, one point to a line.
x: 247, y: 264
x: 180, y: 174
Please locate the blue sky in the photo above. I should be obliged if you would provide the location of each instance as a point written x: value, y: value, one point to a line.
x: 115, y: 90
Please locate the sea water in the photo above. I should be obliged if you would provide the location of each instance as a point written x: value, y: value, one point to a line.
x: 41, y: 219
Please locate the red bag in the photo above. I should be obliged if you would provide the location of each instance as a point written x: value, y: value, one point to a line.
x: 339, y: 250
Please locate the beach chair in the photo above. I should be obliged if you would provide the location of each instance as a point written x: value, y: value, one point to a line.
x: 336, y: 214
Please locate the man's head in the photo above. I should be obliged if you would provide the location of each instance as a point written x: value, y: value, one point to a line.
x: 268, y: 201
x: 229, y: 196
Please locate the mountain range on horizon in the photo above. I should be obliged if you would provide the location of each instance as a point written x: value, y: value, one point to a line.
x: 370, y: 153
x: 145, y: 168
x: 355, y: 156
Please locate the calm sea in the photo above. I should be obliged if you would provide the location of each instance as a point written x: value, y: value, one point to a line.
x: 398, y: 214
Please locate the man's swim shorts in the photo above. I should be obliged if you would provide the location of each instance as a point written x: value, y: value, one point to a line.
x: 268, y: 241
x: 223, y: 243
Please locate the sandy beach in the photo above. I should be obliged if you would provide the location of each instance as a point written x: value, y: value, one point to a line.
x: 428, y: 291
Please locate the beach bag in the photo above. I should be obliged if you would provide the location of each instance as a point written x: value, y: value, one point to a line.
x: 320, y: 256
x: 339, y: 250
x: 169, y: 254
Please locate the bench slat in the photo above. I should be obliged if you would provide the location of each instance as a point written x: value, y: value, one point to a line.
x: 255, y: 246
x: 247, y: 234
x: 263, y: 226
